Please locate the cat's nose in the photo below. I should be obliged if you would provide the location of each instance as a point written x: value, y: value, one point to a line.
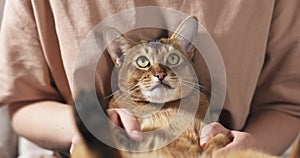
x: 160, y: 75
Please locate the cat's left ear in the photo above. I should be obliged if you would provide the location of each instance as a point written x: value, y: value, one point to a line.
x: 117, y: 44
x: 185, y: 33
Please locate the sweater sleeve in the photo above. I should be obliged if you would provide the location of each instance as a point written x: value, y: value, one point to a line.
x: 24, y: 73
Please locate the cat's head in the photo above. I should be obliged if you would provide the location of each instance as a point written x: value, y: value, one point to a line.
x: 155, y: 71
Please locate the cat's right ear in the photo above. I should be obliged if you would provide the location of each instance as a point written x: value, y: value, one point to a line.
x: 117, y: 44
x: 185, y: 34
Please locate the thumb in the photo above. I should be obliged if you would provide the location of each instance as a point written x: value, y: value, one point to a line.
x: 130, y: 124
x: 126, y: 119
x: 76, y: 139
x: 211, y: 130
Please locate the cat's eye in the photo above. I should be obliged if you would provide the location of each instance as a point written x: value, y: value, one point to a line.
x: 142, y: 62
x: 173, y: 59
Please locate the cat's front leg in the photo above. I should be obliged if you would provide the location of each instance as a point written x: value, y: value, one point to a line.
x: 217, y: 142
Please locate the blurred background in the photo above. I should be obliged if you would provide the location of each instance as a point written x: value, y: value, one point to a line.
x: 1, y: 8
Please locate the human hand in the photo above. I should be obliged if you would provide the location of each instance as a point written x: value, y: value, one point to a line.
x: 76, y: 140
x: 240, y: 140
x: 124, y: 118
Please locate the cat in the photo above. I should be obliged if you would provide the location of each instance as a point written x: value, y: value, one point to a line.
x: 157, y: 83
x: 155, y: 79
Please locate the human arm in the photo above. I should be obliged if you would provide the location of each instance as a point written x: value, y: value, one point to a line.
x: 121, y: 117
x: 49, y: 124
x: 268, y: 131
x: 56, y: 128
x: 275, y: 131
x: 273, y: 121
x: 275, y: 110
x: 27, y: 82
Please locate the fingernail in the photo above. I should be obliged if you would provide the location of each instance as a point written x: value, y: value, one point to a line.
x: 136, y: 135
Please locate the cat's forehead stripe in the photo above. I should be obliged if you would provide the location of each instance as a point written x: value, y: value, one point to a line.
x: 146, y: 49
x: 158, y: 47
x: 166, y: 47
x: 155, y: 44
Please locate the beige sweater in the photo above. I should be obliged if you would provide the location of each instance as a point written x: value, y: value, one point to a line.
x: 258, y: 40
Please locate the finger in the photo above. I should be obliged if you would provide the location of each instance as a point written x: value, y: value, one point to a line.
x: 130, y: 124
x: 76, y: 139
x: 241, y: 141
x: 212, y: 130
x: 236, y: 143
x: 71, y: 149
x: 114, y: 117
x: 125, y: 118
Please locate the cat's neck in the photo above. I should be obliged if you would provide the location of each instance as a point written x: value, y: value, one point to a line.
x: 140, y: 107
x: 143, y: 108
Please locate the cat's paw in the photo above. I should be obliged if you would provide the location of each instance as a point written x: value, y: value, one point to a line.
x: 217, y: 142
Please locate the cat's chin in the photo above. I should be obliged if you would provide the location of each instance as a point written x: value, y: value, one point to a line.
x: 160, y: 94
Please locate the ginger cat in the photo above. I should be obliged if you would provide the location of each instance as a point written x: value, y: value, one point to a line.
x: 155, y: 79
x: 157, y: 83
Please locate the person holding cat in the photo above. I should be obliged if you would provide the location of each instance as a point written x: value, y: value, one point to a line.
x: 259, y: 42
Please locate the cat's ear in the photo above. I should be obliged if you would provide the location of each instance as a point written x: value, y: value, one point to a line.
x: 185, y: 33
x: 117, y: 44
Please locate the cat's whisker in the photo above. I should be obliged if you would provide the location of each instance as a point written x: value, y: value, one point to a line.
x: 127, y: 95
x: 192, y: 87
x: 126, y: 89
x: 182, y: 77
x: 196, y: 89
x: 121, y: 96
x: 198, y: 85
x: 189, y: 80
x: 192, y: 83
x: 113, y: 93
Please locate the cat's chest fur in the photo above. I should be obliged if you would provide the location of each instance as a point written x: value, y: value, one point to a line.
x: 153, y: 117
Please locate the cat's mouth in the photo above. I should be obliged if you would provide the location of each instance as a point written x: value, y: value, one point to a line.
x: 161, y: 85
